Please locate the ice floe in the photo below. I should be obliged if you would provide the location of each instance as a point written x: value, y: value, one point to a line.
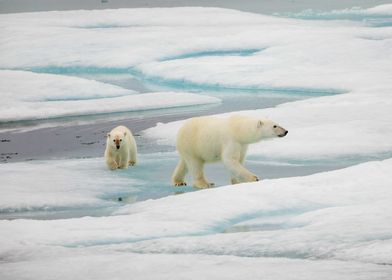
x: 30, y: 96
x: 319, y: 128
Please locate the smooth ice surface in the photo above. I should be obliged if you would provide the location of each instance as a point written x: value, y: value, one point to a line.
x: 59, y: 185
x: 118, y: 265
x: 29, y: 96
x: 328, y: 217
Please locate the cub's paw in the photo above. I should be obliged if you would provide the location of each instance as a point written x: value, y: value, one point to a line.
x: 123, y: 165
x: 112, y: 165
x: 132, y: 163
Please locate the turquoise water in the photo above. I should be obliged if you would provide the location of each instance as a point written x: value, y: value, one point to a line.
x: 352, y: 14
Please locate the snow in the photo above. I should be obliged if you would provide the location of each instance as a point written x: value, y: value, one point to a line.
x: 115, y: 38
x: 342, y: 215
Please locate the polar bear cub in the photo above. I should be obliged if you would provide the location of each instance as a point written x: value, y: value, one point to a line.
x: 209, y: 139
x: 121, y: 150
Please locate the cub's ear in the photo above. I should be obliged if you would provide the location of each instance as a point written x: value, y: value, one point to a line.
x: 108, y: 135
x: 259, y: 124
x: 125, y: 133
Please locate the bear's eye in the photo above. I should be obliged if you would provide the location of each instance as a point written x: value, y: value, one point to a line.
x: 120, y: 140
x: 275, y: 126
x: 114, y: 140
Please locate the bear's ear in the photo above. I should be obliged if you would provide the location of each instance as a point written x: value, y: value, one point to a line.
x: 125, y: 133
x: 259, y: 124
x: 108, y: 135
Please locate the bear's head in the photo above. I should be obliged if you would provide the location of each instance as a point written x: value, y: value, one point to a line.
x: 115, y: 139
x: 248, y: 130
x: 268, y: 129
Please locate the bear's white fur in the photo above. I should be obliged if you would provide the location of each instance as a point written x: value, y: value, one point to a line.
x: 121, y: 150
x: 209, y: 139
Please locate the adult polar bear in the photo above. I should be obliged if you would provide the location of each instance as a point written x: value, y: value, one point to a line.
x: 121, y: 149
x: 209, y: 139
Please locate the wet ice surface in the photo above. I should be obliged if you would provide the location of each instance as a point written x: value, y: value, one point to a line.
x: 61, y: 208
x: 86, y: 187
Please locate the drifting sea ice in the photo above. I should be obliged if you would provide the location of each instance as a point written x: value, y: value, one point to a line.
x: 329, y: 225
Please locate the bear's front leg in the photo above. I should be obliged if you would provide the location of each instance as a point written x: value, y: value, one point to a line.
x: 231, y: 158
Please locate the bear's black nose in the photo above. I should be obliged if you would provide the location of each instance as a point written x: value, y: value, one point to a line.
x: 286, y: 132
x: 118, y: 147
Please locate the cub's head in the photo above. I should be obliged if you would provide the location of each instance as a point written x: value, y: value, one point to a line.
x: 268, y: 129
x: 115, y: 139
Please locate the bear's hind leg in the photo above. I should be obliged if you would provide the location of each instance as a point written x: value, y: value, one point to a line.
x: 235, y: 180
x: 196, y: 168
x: 178, y: 177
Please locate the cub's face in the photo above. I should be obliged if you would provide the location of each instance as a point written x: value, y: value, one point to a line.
x: 115, y: 140
x: 269, y: 129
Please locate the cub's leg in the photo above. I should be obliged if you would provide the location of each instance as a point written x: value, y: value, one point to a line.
x: 112, y: 164
x: 132, y: 153
x: 110, y: 161
x: 123, y: 162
